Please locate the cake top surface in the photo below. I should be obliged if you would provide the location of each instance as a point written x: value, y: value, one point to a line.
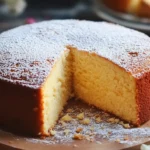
x: 27, y: 53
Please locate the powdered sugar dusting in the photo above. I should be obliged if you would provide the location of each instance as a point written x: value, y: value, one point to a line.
x: 21, y: 47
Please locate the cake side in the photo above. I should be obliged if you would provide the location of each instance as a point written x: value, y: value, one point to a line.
x: 20, y: 109
x: 143, y: 98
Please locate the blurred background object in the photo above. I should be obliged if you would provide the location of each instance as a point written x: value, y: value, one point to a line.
x: 136, y: 7
x: 39, y: 10
x: 131, y: 13
x: 12, y: 7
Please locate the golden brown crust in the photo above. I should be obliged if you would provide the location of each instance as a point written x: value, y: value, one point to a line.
x: 143, y: 98
x: 20, y: 109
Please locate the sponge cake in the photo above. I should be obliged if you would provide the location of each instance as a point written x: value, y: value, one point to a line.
x: 42, y: 64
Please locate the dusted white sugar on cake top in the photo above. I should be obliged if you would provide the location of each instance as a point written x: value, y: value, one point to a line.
x: 40, y: 44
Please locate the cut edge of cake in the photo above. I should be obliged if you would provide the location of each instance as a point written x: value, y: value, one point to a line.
x: 55, y: 91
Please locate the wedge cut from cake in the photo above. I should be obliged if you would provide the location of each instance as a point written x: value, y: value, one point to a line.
x: 42, y: 65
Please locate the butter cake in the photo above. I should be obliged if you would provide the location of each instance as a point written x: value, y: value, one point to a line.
x: 42, y: 65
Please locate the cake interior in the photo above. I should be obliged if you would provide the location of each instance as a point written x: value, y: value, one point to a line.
x: 56, y: 91
x: 95, y: 80
x: 105, y: 85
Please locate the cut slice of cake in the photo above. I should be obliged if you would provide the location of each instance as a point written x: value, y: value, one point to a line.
x: 43, y: 64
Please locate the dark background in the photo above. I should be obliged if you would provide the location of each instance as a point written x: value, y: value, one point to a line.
x: 40, y: 10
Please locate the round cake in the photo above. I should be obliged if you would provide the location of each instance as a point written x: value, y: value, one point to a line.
x: 42, y: 65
